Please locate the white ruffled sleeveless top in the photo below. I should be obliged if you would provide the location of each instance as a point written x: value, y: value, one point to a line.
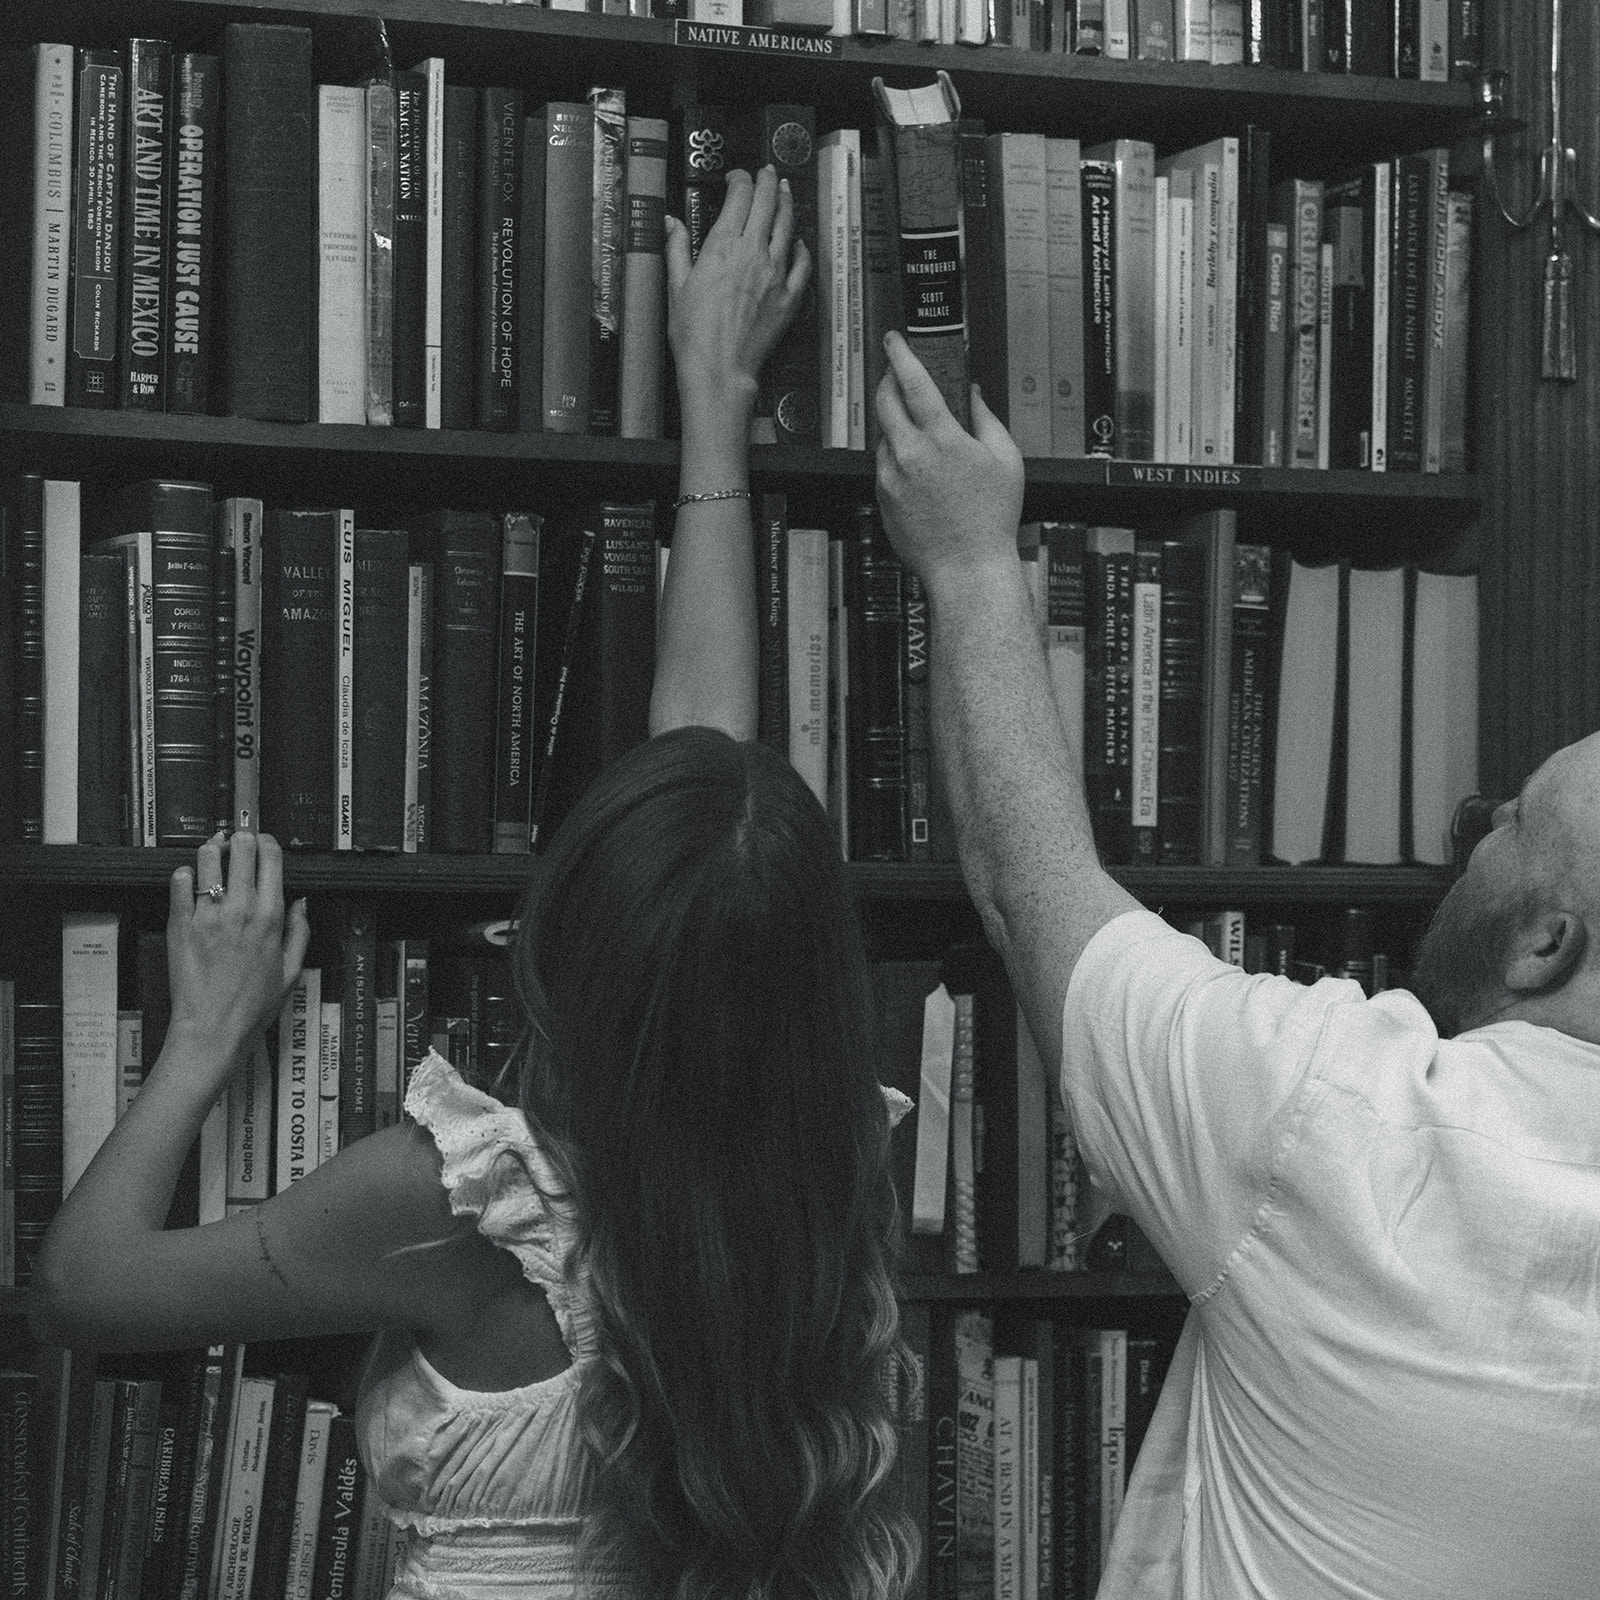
x: 489, y: 1488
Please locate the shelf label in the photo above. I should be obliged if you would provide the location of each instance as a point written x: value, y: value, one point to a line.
x: 762, y: 41
x: 1177, y: 475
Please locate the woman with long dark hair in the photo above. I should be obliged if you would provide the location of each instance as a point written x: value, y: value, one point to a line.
x: 635, y: 1307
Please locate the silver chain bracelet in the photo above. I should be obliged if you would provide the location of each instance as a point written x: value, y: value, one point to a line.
x: 713, y: 494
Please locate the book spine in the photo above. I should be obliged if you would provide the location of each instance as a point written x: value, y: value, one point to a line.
x: 102, y: 1420
x: 295, y: 1145
x: 139, y: 677
x: 791, y: 383
x: 280, y: 1473
x: 627, y: 632
x: 1068, y: 1191
x: 1154, y: 20
x: 985, y: 350
x: 608, y: 208
x: 1098, y: 183
x: 223, y: 602
x: 413, y: 983
x: 839, y: 787
x: 433, y: 246
x: 52, y: 224
x: 1010, y: 1529
x: 856, y: 305
x: 919, y: 722
x: 247, y: 1175
x: 309, y: 1484
x: 386, y: 1098
x: 553, y: 693
x: 38, y: 1075
x: 922, y: 172
x: 128, y: 1552
x: 62, y: 572
x: 1324, y: 349
x: 24, y: 535
x: 342, y: 261
x: 878, y: 289
x: 96, y: 206
x: 410, y: 374
x: 328, y: 1067
x: 89, y: 1082
x: 1247, y: 702
x: 702, y: 159
x: 569, y: 184
x: 644, y: 281
x: 975, y: 1498
x: 519, y: 609
x: 166, y: 1473
x: 344, y: 682
x: 343, y: 1494
x: 1336, y: 35
x: 247, y: 1461
x: 1017, y: 199
x: 1145, y: 795
x: 1108, y: 607
x: 1457, y: 332
x: 806, y: 592
x: 499, y: 216
x: 358, y: 1042
x: 1064, y: 258
x: 8, y: 1134
x: 1182, y: 665
x: 419, y: 653
x: 1466, y: 39
x: 1380, y: 260
x: 530, y: 282
x: 944, y: 1403
x: 102, y: 697
x: 130, y: 1059
x: 191, y: 308
x: 379, y: 689
x: 878, y: 809
x: 1134, y: 296
x: 1275, y: 348
x: 962, y: 1234
x: 771, y: 535
x: 1345, y: 223
x: 1408, y: 312
x: 1408, y: 38
x: 248, y: 555
x: 1433, y: 349
x: 380, y: 252
x: 1305, y: 278
x: 466, y: 619
x: 1061, y: 552
x: 457, y: 267
x: 268, y: 190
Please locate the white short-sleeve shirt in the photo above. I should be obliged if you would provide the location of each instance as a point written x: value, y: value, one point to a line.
x: 1388, y: 1385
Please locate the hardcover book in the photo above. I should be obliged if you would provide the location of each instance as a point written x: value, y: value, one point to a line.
x: 96, y: 237
x: 1098, y: 180
x: 608, y: 209
x: 192, y: 289
x: 569, y: 191
x: 380, y: 249
x: 530, y: 283
x: 877, y: 708
x: 1019, y: 276
x: 378, y: 787
x: 499, y: 247
x: 644, y: 281
x: 342, y: 258
x: 457, y: 335
x: 771, y: 533
x: 410, y: 248
x: 519, y: 609
x: 145, y: 245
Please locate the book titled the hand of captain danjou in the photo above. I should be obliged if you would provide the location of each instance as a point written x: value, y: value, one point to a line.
x: 608, y: 212
x: 97, y: 181
x: 918, y: 146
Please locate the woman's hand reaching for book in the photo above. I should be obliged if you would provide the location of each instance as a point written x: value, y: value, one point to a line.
x: 727, y: 309
x: 231, y: 957
x: 950, y: 499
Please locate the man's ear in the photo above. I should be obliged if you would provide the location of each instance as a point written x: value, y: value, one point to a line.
x: 1546, y: 952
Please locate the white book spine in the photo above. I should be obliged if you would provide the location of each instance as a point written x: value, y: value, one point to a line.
x: 247, y: 551
x: 342, y: 254
x: 250, y: 1131
x: 1009, y: 1532
x: 344, y: 686
x: 52, y: 245
x: 972, y: 23
x: 1022, y: 164
x: 1146, y: 704
x: 1180, y: 331
x: 130, y: 1059
x: 1227, y: 33
x: 328, y: 1050
x: 839, y: 681
x: 144, y: 560
x: 1433, y: 58
x: 1208, y: 273
x: 1193, y: 32
x: 308, y: 1500
x: 1228, y: 301
x: 214, y: 1163
x: 1325, y: 356
x: 949, y: 20
x: 1163, y: 308
x: 90, y: 1080
x: 1113, y: 1426
x: 1064, y: 270
x: 808, y: 657
x: 297, y: 1123
x: 724, y: 11
x: 859, y: 398
x: 241, y: 1514
x: 1119, y: 29
x: 963, y: 1169
x: 386, y: 1098
x: 933, y: 1113
x: 433, y: 292
x: 62, y: 558
x: 414, y: 619
x: 1382, y: 222
x: 833, y: 290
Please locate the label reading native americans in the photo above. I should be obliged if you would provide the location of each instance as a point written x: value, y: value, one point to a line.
x: 765, y: 41
x: 930, y: 266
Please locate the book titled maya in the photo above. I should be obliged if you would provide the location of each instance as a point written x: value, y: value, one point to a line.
x: 922, y: 176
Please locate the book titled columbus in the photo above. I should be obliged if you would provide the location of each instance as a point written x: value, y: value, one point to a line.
x: 191, y: 294
x: 269, y: 193
x: 144, y: 225
x: 96, y: 236
x: 918, y: 145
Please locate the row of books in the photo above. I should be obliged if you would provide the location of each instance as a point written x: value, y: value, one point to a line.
x: 1018, y: 1437
x: 1427, y: 39
x: 1188, y: 309
x: 209, y: 1480
x: 78, y: 1036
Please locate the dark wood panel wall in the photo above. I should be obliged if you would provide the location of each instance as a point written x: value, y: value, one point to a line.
x: 1537, y: 543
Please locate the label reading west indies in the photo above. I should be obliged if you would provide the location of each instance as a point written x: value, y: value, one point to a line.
x: 930, y: 269
x: 764, y: 41
x: 1140, y: 474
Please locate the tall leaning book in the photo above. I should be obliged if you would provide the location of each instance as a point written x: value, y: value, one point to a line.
x: 922, y: 178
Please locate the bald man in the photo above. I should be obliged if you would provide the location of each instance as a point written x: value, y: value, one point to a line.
x: 1387, y: 1222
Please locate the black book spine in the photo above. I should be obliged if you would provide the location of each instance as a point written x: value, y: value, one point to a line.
x: 102, y: 696
x: 38, y: 1112
x: 1407, y: 39
x: 298, y: 739
x: 210, y: 1475
x: 70, y: 1532
x: 146, y: 249
x: 499, y: 215
x: 1347, y: 217
x: 1255, y: 150
x: 1408, y: 297
x: 26, y: 533
x: 772, y: 623
x: 466, y: 616
x: 280, y: 1478
x: 119, y: 1471
x: 24, y: 1484
x: 358, y: 1060
x: 944, y: 1410
x: 561, y: 631
x: 166, y: 1493
x: 378, y: 781
x: 627, y: 642
x: 1371, y: 49
x: 1247, y: 702
x: 568, y: 201
x: 8, y: 682
x: 609, y: 208
x: 878, y: 732
x: 519, y: 610
x: 1339, y: 765
x: 1108, y: 629
x: 410, y: 247
x: 1335, y: 35
x: 986, y: 352
x: 96, y: 237
x: 460, y: 169
x: 191, y: 306
x: 1144, y: 821
x: 1466, y: 38
x: 700, y: 169
x: 268, y: 223
x: 530, y: 279
x: 224, y: 610
x: 17, y: 75
x: 919, y: 724
x: 339, y: 1526
x: 1099, y: 183
x: 1183, y: 598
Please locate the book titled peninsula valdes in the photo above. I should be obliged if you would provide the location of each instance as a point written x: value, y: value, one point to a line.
x: 921, y: 165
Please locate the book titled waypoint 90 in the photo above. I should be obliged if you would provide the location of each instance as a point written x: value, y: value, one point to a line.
x: 921, y: 164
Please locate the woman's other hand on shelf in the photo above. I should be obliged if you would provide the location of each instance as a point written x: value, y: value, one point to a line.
x: 728, y: 308
x: 951, y: 500
x: 231, y: 958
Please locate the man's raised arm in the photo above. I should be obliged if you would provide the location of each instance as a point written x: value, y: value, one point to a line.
x: 950, y: 504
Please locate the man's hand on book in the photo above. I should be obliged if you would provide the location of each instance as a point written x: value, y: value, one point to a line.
x: 726, y: 310
x: 951, y: 499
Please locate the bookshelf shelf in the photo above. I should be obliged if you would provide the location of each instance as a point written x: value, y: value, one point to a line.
x: 987, y: 1287
x: 88, y: 867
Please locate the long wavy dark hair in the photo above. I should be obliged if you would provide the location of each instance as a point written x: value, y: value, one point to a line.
x: 699, y: 1068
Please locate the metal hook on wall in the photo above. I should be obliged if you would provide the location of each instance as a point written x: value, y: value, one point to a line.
x: 1556, y: 197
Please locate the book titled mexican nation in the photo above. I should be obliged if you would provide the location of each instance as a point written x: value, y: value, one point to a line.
x: 922, y: 177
